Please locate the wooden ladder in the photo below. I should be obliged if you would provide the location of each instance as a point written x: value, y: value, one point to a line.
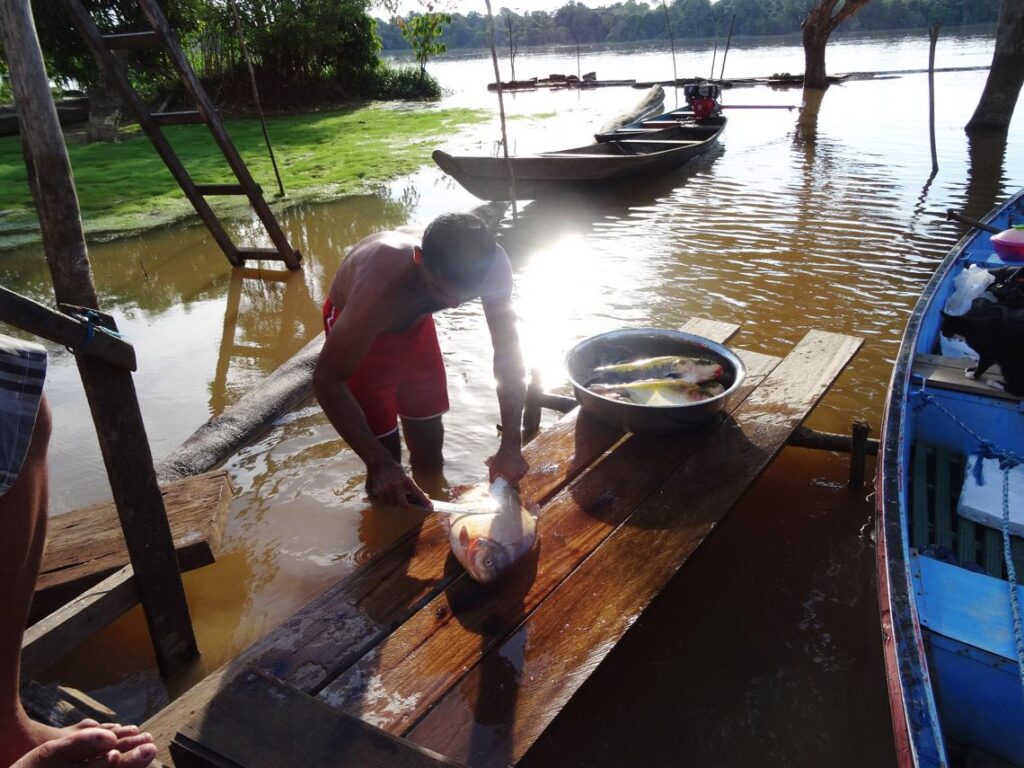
x: 162, y: 36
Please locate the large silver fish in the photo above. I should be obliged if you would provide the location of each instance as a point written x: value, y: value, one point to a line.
x: 659, y: 391
x: 489, y: 529
x: 694, y: 370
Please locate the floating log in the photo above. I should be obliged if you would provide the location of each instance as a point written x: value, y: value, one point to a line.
x: 86, y: 545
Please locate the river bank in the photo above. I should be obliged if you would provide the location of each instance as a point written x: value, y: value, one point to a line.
x: 124, y: 188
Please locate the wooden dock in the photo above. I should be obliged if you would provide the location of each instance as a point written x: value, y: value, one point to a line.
x: 409, y: 662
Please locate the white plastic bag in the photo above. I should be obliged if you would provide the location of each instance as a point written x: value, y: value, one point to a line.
x: 968, y: 286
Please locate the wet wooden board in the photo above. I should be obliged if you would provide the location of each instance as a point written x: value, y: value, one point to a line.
x: 258, y: 722
x: 503, y: 705
x: 397, y: 683
x: 86, y: 545
x: 343, y: 624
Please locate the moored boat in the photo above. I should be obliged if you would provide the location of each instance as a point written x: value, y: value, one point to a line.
x: 628, y: 153
x: 950, y: 504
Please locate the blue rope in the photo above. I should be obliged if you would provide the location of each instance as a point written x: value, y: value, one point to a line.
x: 1007, y: 461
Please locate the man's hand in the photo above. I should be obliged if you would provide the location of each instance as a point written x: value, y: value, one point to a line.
x: 509, y: 463
x: 388, y: 484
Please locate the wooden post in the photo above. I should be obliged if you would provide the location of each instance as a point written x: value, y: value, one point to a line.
x: 672, y: 42
x: 501, y: 112
x: 109, y: 388
x: 728, y: 42
x: 858, y: 452
x: 933, y: 36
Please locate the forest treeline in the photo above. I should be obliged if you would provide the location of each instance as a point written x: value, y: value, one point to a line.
x: 636, y: 22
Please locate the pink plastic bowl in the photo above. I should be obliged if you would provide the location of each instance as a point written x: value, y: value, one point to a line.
x: 1009, y: 244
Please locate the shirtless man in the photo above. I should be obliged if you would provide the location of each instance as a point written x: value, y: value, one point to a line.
x: 381, y: 360
x: 24, y: 436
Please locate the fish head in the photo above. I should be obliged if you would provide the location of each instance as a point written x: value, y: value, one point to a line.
x: 486, y: 560
x: 698, y: 370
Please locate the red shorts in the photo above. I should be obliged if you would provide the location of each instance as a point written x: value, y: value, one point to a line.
x: 401, y: 375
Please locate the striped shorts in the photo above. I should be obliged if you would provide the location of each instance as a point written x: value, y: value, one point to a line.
x: 22, y: 370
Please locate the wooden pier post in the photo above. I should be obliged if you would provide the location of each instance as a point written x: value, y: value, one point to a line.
x: 108, y: 387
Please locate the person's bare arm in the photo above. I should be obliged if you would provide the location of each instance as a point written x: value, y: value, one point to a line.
x: 345, y: 347
x: 509, y: 374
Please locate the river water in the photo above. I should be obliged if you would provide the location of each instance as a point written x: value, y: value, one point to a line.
x: 766, y: 648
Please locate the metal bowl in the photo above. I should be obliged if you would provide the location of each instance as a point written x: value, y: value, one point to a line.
x: 635, y: 343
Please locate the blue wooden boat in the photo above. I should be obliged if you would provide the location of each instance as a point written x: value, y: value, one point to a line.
x: 950, y: 609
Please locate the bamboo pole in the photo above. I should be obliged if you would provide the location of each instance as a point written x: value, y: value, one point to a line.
x: 672, y: 42
x: 109, y: 388
x: 725, y: 53
x: 256, y: 95
x: 933, y: 36
x: 501, y: 111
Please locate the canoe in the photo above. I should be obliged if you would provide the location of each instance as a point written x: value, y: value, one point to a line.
x: 947, y: 593
x: 581, y: 168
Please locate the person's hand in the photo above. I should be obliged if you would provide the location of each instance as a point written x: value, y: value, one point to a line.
x: 509, y: 463
x: 389, y: 485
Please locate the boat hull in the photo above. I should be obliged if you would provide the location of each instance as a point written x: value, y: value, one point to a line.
x: 580, y: 168
x: 947, y: 630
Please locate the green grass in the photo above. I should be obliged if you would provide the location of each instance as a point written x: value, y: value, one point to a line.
x: 125, y: 187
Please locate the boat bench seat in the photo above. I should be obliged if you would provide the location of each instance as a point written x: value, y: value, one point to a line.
x: 949, y: 373
x: 667, y: 143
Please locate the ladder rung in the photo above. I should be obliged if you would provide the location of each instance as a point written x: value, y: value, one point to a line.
x: 177, y: 118
x: 260, y: 253
x: 126, y: 40
x: 209, y: 190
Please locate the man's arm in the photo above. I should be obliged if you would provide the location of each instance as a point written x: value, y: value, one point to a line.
x: 509, y: 372
x: 346, y: 345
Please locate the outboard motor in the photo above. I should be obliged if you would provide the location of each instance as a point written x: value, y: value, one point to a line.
x: 703, y: 99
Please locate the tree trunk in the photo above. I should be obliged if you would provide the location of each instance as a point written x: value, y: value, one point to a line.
x: 816, y: 28
x: 105, y: 109
x: 995, y: 108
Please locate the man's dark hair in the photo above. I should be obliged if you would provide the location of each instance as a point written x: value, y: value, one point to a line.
x: 458, y: 248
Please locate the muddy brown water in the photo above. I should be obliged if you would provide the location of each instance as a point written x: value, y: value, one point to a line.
x: 765, y: 650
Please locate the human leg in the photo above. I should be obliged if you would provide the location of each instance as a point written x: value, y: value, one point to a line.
x: 425, y: 440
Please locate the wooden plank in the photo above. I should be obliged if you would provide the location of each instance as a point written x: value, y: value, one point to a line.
x: 919, y: 498
x: 346, y: 621
x: 70, y: 332
x: 74, y: 623
x: 948, y: 373
x: 502, y: 706
x: 398, y: 682
x: 944, y: 509
x: 87, y: 545
x: 258, y: 722
x: 60, y: 706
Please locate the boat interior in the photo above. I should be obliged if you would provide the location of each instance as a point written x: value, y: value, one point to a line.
x: 956, y: 504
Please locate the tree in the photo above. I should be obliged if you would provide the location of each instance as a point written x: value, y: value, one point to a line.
x: 1005, y: 77
x: 816, y: 28
x: 421, y: 32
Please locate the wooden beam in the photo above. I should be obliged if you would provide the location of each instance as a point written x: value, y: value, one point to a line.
x: 86, y: 545
x: 60, y: 706
x: 78, y: 335
x: 77, y: 621
x: 258, y: 722
x: 109, y: 389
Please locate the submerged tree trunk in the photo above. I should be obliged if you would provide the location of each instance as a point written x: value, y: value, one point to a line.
x: 995, y: 108
x: 816, y: 28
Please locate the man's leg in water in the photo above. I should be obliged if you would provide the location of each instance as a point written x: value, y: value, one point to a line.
x: 23, y: 516
x: 425, y: 440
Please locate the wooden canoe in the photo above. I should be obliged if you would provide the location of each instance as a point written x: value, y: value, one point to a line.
x: 580, y: 168
x: 944, y: 584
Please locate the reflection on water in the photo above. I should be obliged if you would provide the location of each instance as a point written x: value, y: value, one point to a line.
x: 822, y: 219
